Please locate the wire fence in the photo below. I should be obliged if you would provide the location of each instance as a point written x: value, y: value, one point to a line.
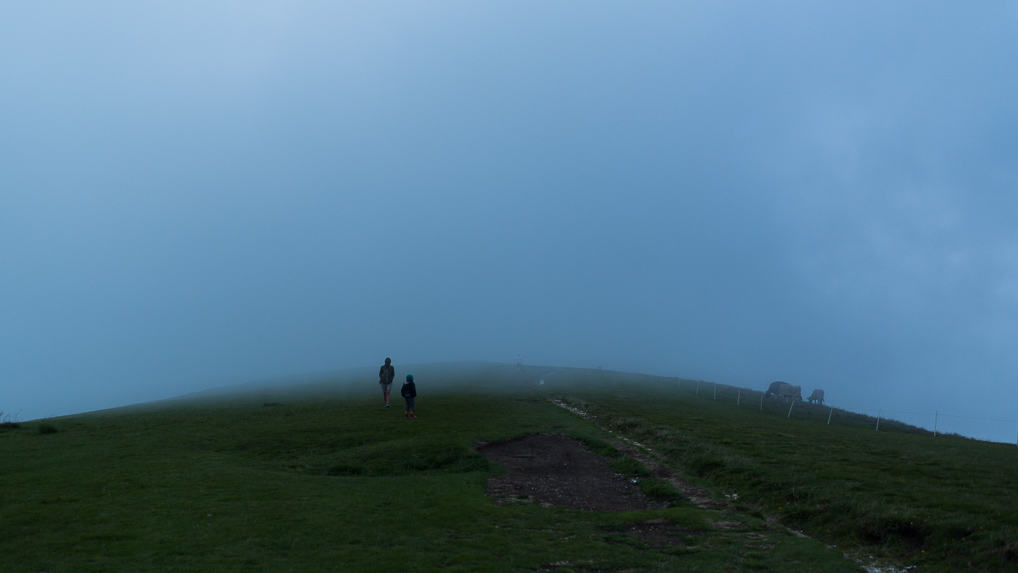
x: 935, y: 423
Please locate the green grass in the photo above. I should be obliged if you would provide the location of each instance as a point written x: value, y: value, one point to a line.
x: 326, y: 479
x: 943, y: 504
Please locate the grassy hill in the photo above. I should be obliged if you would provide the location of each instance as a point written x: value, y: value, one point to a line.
x: 315, y: 475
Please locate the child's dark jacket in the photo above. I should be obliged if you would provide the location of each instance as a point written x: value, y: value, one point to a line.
x: 409, y: 390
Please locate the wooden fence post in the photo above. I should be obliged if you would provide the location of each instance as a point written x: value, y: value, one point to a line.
x: 878, y: 419
x: 790, y: 409
x: 829, y: 414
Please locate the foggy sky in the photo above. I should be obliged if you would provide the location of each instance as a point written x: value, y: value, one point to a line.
x: 201, y: 193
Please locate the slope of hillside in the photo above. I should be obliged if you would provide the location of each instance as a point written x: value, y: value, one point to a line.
x: 313, y: 474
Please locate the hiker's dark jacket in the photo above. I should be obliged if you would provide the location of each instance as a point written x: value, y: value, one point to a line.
x: 409, y: 390
x: 386, y: 373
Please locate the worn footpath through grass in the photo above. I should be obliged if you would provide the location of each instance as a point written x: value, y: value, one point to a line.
x: 335, y: 482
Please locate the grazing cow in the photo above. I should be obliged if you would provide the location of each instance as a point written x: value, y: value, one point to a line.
x: 785, y: 391
x: 817, y: 397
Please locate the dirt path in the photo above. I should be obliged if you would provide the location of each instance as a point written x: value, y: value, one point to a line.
x: 646, y: 456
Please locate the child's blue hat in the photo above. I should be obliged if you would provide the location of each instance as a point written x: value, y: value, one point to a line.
x: 409, y: 377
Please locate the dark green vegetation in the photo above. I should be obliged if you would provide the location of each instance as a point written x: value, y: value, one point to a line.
x: 328, y: 480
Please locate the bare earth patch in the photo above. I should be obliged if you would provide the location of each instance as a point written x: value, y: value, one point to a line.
x: 553, y: 469
x: 697, y: 496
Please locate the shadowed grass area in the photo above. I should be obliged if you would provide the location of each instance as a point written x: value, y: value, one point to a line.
x: 330, y: 480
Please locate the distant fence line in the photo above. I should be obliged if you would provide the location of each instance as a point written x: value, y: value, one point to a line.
x: 937, y: 423
x: 934, y: 422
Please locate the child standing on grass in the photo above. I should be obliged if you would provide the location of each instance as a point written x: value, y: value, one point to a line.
x: 409, y: 392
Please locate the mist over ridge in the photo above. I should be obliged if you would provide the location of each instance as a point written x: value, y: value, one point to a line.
x: 194, y: 196
x: 439, y: 382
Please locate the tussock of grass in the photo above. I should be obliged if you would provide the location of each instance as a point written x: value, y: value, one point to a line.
x: 47, y: 429
x: 627, y: 466
x: 660, y: 489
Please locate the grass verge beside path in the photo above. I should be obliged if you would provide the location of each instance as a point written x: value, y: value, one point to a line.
x: 941, y: 504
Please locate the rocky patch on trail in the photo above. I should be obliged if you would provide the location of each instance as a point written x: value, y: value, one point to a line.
x: 552, y: 469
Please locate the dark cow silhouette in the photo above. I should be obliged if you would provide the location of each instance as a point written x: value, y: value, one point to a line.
x: 785, y: 391
x: 817, y: 397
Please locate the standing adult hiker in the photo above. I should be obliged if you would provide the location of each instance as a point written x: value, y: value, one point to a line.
x: 409, y: 392
x: 386, y: 374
